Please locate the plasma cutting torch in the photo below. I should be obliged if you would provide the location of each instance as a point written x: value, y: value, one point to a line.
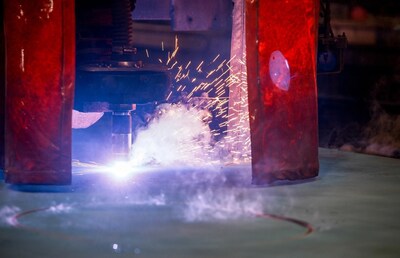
x: 110, y: 77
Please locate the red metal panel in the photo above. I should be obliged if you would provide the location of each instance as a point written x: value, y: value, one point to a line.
x: 40, y: 74
x: 283, y: 115
x: 2, y: 89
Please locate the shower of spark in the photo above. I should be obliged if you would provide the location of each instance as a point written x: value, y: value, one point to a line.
x: 180, y: 133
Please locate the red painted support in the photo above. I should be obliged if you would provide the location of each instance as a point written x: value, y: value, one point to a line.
x: 2, y: 88
x: 282, y: 88
x: 40, y: 74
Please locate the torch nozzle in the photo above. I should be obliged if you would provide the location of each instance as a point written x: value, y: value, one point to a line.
x: 121, y: 135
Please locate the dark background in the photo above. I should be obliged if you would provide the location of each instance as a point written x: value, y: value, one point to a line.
x: 361, y: 105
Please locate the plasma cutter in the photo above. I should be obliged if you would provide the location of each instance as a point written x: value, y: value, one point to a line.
x: 41, y: 72
x: 111, y: 78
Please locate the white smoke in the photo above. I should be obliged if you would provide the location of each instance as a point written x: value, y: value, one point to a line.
x: 7, y: 214
x: 383, y: 132
x: 178, y: 135
x: 222, y: 204
x: 60, y: 208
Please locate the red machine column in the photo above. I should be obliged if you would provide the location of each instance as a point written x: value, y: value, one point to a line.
x: 40, y: 74
x: 2, y: 90
x: 281, y: 67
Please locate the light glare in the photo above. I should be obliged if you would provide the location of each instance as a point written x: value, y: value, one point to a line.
x: 120, y: 170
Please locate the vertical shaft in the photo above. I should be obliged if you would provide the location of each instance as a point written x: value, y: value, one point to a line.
x: 121, y: 135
